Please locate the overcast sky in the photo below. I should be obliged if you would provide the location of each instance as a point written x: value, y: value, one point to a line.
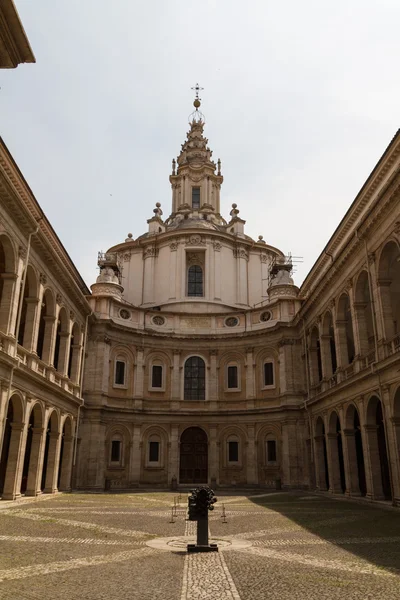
x: 301, y: 99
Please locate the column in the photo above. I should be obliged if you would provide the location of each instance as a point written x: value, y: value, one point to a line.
x: 373, y: 465
x: 6, y: 305
x: 290, y: 460
x: 173, y: 467
x: 241, y: 275
x: 392, y: 448
x: 386, y: 312
x: 63, y: 356
x: 360, y: 329
x: 49, y: 340
x: 213, y: 458
x: 249, y: 366
x: 149, y: 257
x: 66, y: 464
x: 173, y: 256
x: 35, y: 462
x: 213, y: 380
x: 251, y: 456
x: 217, y: 271
x: 333, y: 463
x: 76, y: 360
x: 139, y: 379
x: 15, y: 462
x: 53, y: 463
x: 341, y: 344
x: 319, y: 459
x: 350, y: 463
x: 135, y: 456
x: 395, y: 424
x: 326, y: 358
x: 30, y: 330
x: 175, y: 379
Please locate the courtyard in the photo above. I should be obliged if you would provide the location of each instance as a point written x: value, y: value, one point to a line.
x: 277, y: 545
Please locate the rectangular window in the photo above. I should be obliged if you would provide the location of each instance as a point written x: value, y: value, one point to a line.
x: 115, y: 451
x: 271, y: 451
x: 156, y: 376
x: 268, y: 373
x: 154, y: 451
x: 232, y: 377
x: 119, y: 372
x: 233, y: 451
x: 195, y: 197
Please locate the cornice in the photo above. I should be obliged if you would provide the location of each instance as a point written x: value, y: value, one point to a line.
x: 25, y: 210
x: 332, y: 271
x: 161, y: 239
x: 13, y: 40
x: 376, y: 185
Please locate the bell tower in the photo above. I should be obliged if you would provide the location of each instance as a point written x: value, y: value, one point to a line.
x: 196, y: 179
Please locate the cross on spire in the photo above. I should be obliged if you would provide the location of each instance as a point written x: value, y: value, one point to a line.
x: 197, y: 89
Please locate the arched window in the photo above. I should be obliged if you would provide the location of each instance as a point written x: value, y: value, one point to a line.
x: 195, y: 281
x: 195, y: 379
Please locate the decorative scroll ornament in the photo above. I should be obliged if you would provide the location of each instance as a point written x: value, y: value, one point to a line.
x: 217, y: 246
x: 150, y: 251
x: 240, y: 252
x: 174, y: 246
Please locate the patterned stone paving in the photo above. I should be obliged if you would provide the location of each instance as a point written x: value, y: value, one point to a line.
x: 304, y: 547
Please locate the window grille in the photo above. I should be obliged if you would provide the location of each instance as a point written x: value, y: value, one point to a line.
x: 232, y: 377
x: 119, y: 372
x: 195, y: 379
x: 156, y: 377
x: 268, y: 373
x: 195, y: 281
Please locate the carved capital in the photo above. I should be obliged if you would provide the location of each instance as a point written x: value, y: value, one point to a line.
x: 22, y: 252
x: 42, y: 278
x: 59, y: 299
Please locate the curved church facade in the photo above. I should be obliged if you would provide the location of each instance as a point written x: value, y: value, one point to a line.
x: 195, y: 358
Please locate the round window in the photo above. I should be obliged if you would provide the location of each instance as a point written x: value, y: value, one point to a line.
x: 158, y: 320
x: 231, y: 321
x: 124, y: 313
x: 265, y: 316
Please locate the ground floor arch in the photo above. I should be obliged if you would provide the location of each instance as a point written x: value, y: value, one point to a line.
x: 193, y: 456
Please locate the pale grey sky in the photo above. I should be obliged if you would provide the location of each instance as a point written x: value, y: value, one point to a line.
x: 301, y: 99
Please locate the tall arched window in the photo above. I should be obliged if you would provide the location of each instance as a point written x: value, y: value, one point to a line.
x: 195, y: 281
x: 195, y: 379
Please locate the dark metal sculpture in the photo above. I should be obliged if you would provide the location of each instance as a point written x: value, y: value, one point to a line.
x: 200, y: 501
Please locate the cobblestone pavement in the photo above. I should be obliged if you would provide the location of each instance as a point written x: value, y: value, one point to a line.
x: 89, y: 546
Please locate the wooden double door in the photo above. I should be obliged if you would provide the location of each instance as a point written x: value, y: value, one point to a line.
x: 193, y: 456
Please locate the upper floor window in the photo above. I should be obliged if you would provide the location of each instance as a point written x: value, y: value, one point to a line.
x: 157, y: 376
x: 195, y: 379
x: 233, y: 377
x: 195, y: 281
x: 195, y: 197
x: 268, y: 374
x: 119, y: 377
